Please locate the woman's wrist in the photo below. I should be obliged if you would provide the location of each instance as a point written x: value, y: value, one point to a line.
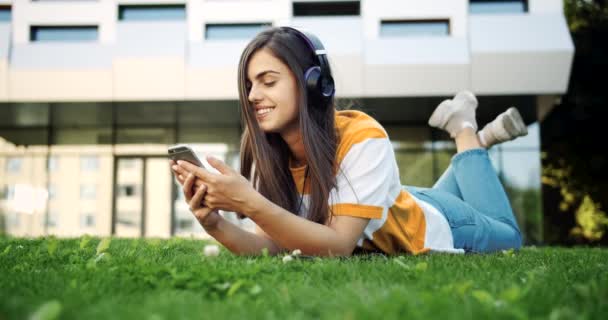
x: 258, y: 206
x: 211, y: 221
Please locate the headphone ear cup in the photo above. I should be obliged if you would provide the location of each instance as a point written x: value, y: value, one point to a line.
x: 327, y: 87
x: 312, y: 77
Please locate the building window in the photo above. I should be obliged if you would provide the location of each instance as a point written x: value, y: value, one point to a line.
x: 53, y: 164
x: 13, y: 219
x: 233, y: 31
x: 64, y: 33
x: 127, y: 190
x: 415, y: 28
x: 128, y: 218
x: 87, y: 191
x: 9, y: 192
x: 151, y: 12
x: 89, y: 163
x: 5, y: 13
x: 497, y: 6
x: 51, y: 220
x: 52, y: 191
x: 127, y: 163
x: 13, y: 164
x: 326, y: 8
x: 87, y: 220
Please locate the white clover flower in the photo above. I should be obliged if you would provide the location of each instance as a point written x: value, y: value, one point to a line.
x: 211, y: 250
x: 287, y: 258
x: 296, y: 252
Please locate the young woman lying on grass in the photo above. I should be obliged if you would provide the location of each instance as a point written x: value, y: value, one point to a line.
x: 327, y: 182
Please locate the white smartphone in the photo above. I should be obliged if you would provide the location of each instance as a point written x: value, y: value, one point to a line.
x: 184, y: 152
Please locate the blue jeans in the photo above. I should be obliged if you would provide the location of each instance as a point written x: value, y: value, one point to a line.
x: 474, y: 203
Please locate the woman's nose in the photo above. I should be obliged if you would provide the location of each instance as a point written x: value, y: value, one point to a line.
x: 254, y: 95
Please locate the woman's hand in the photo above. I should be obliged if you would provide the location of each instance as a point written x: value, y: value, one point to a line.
x: 207, y: 217
x: 228, y: 191
x: 181, y: 174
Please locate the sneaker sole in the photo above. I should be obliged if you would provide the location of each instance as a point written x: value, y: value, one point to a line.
x: 514, y: 124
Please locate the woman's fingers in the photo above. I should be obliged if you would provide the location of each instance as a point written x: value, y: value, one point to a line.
x: 197, y: 199
x: 187, y: 187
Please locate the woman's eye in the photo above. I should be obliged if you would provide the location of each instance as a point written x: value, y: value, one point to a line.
x: 269, y: 84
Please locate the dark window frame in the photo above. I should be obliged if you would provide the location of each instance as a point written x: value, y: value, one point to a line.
x: 326, y: 9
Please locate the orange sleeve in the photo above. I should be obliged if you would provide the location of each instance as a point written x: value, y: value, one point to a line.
x: 357, y: 210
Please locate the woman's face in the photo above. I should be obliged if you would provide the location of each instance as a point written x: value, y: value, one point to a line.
x: 273, y: 92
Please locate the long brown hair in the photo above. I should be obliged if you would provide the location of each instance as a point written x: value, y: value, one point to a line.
x: 266, y: 155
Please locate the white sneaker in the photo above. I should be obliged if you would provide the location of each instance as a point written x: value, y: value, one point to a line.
x: 506, y: 127
x: 452, y: 115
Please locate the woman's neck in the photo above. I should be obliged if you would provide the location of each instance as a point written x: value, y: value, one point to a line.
x: 296, y: 146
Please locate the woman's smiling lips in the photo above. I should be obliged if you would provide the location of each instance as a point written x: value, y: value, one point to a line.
x: 262, y: 111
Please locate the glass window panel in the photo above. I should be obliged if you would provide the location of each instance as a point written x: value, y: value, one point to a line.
x: 25, y: 136
x: 89, y: 163
x: 129, y: 219
x: 414, y: 28
x: 24, y: 114
x: 128, y: 190
x: 139, y: 113
x: 531, y: 141
x: 52, y: 191
x: 88, y: 191
x: 209, y: 113
x: 64, y: 33
x: 85, y: 136
x: 5, y: 13
x: 145, y: 135
x: 129, y: 208
x: 521, y: 179
x: 53, y: 163
x: 9, y: 192
x: 233, y: 31
x: 229, y: 136
x: 87, y: 220
x: 52, y: 219
x: 326, y: 8
x: 415, y: 168
x: 13, y: 164
x: 81, y: 114
x: 496, y: 6
x: 408, y: 137
x: 14, y: 219
x: 151, y: 12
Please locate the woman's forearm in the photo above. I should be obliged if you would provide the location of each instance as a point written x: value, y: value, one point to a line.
x: 294, y: 232
x: 240, y: 241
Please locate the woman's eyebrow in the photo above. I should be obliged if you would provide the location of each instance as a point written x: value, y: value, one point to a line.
x: 263, y: 73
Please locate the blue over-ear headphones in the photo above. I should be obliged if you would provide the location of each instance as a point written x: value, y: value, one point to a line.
x: 319, y: 82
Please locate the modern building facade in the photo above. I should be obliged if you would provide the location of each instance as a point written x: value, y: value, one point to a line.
x: 93, y: 92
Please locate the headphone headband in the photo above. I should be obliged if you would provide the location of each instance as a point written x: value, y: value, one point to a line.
x: 319, y: 82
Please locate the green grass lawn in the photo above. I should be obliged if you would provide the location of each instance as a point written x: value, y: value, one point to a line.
x: 87, y: 278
